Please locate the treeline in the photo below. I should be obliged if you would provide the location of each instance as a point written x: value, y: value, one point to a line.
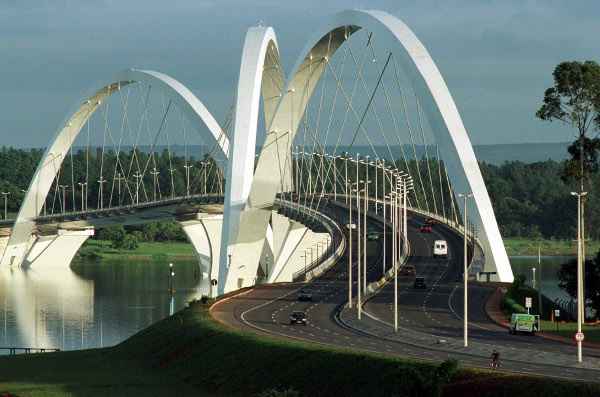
x: 82, y: 166
x: 530, y: 200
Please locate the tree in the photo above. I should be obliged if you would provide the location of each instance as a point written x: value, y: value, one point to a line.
x: 575, y: 100
x: 567, y: 276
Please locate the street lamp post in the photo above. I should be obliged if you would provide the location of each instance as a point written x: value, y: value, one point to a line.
x: 101, y: 183
x: 5, y: 194
x: 465, y: 277
x: 580, y: 259
x: 205, y: 172
x: 358, y: 260
x: 119, y: 179
x: 82, y: 187
x: 171, y: 275
x: 138, y: 177
x: 187, y: 178
x: 64, y: 197
x: 154, y: 173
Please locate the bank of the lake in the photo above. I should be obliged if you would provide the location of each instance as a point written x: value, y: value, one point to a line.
x: 94, y: 248
x: 529, y: 247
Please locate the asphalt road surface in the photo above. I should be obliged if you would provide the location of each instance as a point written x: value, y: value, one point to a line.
x: 430, y: 319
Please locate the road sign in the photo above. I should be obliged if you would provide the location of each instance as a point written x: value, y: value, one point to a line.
x: 528, y: 302
x: 579, y: 336
x: 556, y: 313
x: 213, y: 282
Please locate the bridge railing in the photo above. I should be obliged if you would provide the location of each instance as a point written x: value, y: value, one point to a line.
x: 128, y: 207
x: 477, y: 259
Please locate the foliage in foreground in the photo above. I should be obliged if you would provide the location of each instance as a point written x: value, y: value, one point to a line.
x: 190, y: 354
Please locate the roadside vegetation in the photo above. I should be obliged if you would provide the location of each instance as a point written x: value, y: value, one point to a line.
x: 191, y: 354
x: 565, y: 326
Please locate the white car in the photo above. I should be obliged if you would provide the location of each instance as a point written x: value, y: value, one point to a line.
x: 440, y: 249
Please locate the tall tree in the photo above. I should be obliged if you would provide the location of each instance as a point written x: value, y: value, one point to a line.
x: 574, y: 99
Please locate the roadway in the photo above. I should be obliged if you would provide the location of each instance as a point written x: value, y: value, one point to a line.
x: 430, y: 319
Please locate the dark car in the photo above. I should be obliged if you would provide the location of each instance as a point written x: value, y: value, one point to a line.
x: 425, y: 228
x: 419, y: 283
x: 407, y: 271
x: 304, y: 296
x: 298, y: 318
x: 430, y: 221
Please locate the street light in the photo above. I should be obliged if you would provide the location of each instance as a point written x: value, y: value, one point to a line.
x: 5, y: 194
x: 465, y: 307
x: 64, y: 197
x: 580, y: 297
x: 82, y: 187
x: 187, y: 178
x: 171, y: 275
x: 154, y: 174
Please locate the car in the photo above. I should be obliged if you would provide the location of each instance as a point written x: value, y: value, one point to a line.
x: 304, y: 296
x: 419, y: 283
x: 407, y: 271
x: 430, y: 221
x: 298, y: 318
x: 425, y: 228
x: 440, y: 249
x: 373, y: 236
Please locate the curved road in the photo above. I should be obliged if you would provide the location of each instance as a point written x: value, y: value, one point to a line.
x: 430, y: 320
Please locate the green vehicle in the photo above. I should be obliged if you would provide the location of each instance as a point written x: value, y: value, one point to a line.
x: 523, y: 322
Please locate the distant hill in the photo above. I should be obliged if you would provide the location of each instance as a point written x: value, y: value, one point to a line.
x: 525, y: 152
x: 493, y: 154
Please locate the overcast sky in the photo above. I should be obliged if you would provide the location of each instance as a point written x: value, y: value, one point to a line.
x: 496, y: 56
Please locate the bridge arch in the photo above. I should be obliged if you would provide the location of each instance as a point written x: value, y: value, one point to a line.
x: 438, y: 108
x: 51, y: 161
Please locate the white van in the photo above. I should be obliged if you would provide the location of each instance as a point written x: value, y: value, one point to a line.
x: 440, y: 249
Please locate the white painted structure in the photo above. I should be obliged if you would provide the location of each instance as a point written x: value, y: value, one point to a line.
x: 272, y: 171
x: 231, y: 247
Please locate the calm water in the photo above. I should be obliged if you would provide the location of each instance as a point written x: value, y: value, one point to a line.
x: 101, y: 303
x: 91, y: 303
x: 549, y: 265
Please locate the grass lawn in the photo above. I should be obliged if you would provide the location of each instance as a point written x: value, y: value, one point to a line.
x: 103, y: 249
x: 529, y: 247
x: 190, y: 354
x: 568, y: 330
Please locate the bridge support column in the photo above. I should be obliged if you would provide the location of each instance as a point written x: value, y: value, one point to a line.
x: 57, y: 249
x: 204, y: 233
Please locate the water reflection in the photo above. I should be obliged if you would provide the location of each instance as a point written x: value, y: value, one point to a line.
x: 92, y: 303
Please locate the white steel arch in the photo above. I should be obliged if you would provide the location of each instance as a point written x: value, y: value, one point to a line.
x: 52, y: 159
x: 438, y: 107
x: 260, y: 75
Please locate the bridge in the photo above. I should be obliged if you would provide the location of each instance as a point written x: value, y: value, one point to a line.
x: 128, y: 149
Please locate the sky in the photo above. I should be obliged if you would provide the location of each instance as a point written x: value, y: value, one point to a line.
x: 496, y: 56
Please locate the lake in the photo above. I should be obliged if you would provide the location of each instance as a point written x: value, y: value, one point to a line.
x: 91, y: 303
x: 549, y: 267
x: 96, y: 303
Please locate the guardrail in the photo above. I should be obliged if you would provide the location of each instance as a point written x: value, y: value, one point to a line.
x: 477, y: 259
x: 338, y: 240
x: 28, y: 350
x: 128, y: 207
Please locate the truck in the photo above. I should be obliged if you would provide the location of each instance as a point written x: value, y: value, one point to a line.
x: 523, y: 322
x: 440, y: 249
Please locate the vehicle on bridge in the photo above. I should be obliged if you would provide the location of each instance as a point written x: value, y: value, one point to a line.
x: 523, y: 322
x: 373, y: 235
x: 425, y: 228
x: 440, y: 249
x: 430, y: 221
x: 298, y: 318
x: 407, y: 271
x: 419, y: 283
x: 304, y: 296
